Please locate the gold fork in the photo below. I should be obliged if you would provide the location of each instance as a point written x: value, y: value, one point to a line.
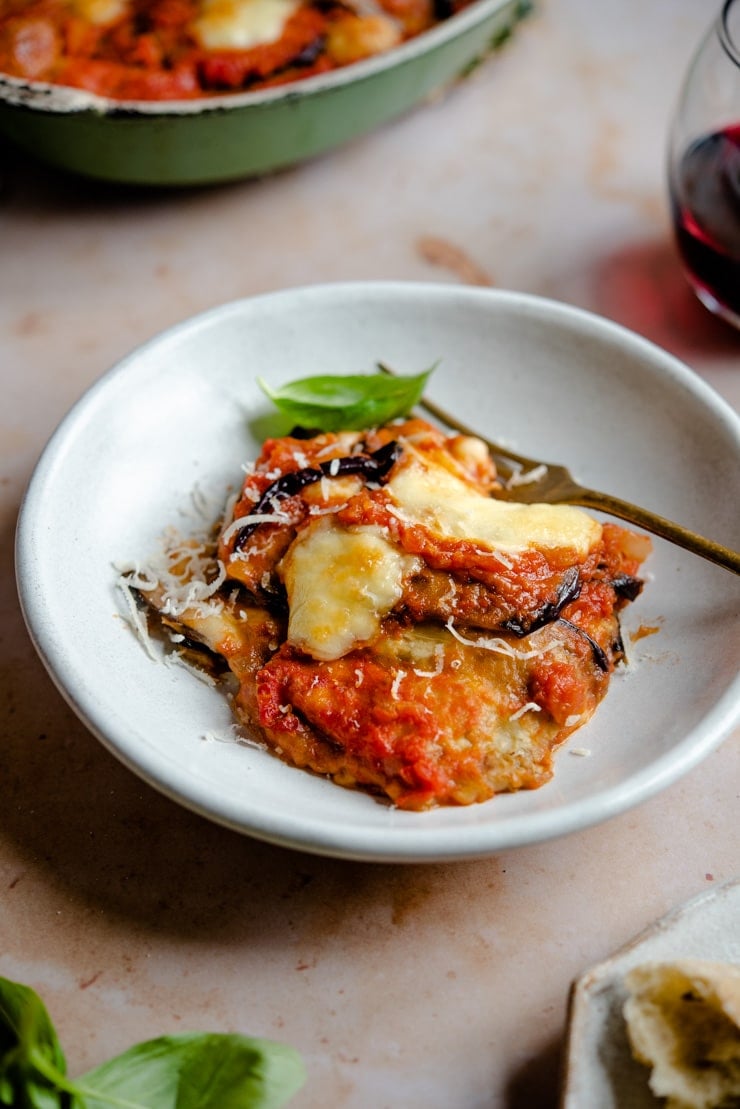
x: 529, y: 480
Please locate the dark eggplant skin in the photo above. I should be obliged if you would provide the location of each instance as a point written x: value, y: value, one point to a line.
x: 373, y: 467
x: 599, y: 655
x: 627, y: 587
x: 310, y: 53
x: 569, y: 590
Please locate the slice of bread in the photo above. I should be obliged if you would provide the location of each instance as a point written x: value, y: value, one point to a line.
x: 683, y: 1021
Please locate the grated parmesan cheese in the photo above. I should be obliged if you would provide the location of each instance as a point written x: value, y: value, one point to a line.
x: 176, y: 660
x: 439, y: 663
x: 530, y: 706
x: 328, y: 510
x: 527, y: 477
x: 398, y: 678
x: 182, y: 595
x: 500, y: 646
x: 253, y: 518
x: 136, y: 621
x: 506, y: 562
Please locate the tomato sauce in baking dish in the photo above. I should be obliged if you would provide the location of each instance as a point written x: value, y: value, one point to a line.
x: 181, y: 49
x: 386, y: 621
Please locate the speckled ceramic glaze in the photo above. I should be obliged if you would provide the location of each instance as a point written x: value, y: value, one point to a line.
x: 217, y: 139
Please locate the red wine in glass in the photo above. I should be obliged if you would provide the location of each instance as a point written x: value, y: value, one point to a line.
x: 705, y: 202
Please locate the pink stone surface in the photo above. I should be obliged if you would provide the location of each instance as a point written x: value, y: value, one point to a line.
x: 442, y: 985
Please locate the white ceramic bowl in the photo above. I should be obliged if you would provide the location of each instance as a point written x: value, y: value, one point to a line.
x: 553, y: 381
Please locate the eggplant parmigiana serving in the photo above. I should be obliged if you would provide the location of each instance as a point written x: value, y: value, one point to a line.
x: 384, y: 620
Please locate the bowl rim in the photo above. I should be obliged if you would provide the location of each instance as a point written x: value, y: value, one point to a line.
x: 403, y: 843
x: 63, y: 99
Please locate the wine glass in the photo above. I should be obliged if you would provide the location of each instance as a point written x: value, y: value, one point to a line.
x: 704, y: 167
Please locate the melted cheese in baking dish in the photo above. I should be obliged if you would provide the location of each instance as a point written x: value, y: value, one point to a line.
x: 100, y: 12
x: 241, y: 24
x: 434, y: 497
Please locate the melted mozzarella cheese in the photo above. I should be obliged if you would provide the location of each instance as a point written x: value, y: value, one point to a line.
x: 340, y: 584
x: 355, y: 37
x: 100, y: 12
x: 241, y: 24
x: 434, y: 497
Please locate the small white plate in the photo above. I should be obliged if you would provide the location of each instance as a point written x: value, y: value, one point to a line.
x: 600, y: 1070
x: 555, y: 382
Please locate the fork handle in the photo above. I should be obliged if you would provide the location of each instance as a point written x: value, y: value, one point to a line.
x: 658, y: 525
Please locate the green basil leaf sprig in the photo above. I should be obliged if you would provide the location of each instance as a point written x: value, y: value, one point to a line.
x: 188, y: 1071
x: 347, y: 402
x: 29, y: 1051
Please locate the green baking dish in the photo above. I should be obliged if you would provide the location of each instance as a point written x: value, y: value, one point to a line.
x: 245, y: 134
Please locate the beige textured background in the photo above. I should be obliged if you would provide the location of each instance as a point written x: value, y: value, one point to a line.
x: 442, y: 986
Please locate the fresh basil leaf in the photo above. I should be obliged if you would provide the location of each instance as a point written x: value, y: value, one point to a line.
x: 192, y: 1071
x: 31, y: 1059
x: 349, y: 402
x: 196, y: 1071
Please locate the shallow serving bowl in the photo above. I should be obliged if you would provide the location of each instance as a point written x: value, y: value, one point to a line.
x: 221, y: 138
x: 181, y: 415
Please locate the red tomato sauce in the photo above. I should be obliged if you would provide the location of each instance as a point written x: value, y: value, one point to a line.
x: 354, y: 700
x: 150, y: 50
